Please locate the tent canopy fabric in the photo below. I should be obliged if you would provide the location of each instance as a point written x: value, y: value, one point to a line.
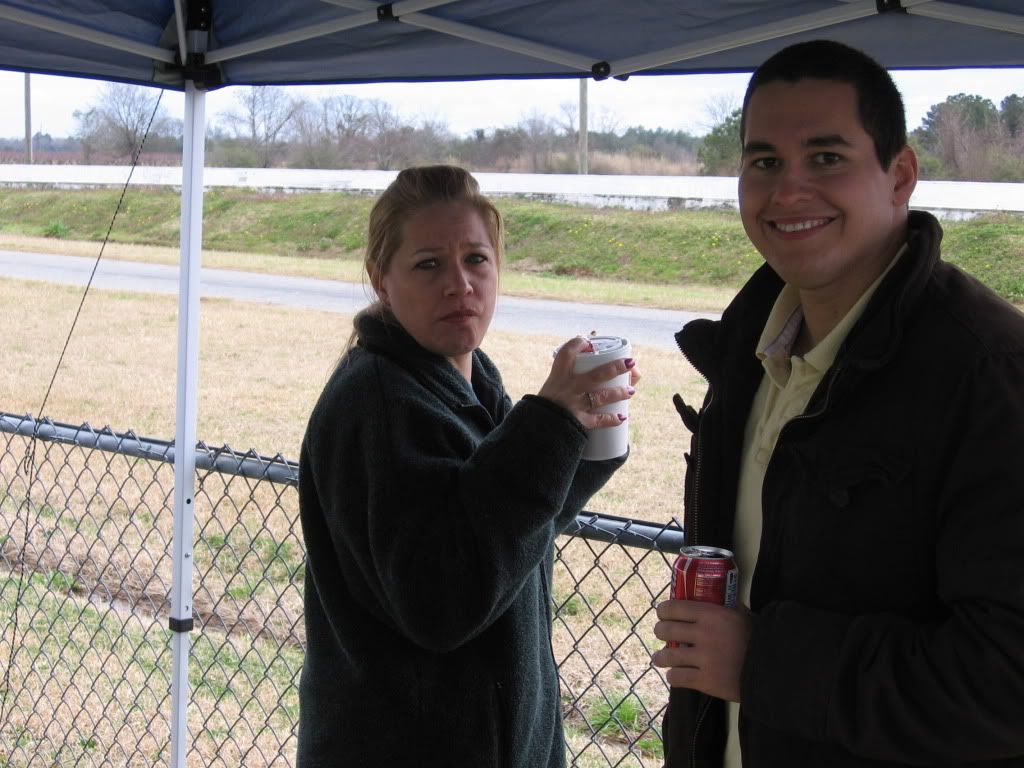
x: 263, y: 42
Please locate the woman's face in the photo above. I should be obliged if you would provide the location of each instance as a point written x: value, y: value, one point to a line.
x: 442, y: 283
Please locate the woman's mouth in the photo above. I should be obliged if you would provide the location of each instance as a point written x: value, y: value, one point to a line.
x: 459, y: 315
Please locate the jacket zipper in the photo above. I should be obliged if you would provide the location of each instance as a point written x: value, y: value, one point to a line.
x: 698, y: 460
x: 705, y: 708
x: 824, y: 405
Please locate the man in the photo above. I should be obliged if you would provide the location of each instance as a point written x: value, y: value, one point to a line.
x: 861, y: 449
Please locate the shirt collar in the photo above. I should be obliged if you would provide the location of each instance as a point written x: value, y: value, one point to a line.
x: 784, y: 323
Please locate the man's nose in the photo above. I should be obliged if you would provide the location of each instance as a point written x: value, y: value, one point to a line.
x: 791, y: 184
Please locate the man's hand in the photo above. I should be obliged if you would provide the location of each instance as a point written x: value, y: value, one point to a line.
x: 712, y: 645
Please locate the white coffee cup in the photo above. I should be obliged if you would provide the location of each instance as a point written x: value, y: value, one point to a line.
x: 607, y: 442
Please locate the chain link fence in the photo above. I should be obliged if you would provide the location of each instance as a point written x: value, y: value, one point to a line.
x: 85, y: 579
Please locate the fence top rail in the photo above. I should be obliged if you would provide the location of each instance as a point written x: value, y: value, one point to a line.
x: 667, y: 537
x: 224, y: 459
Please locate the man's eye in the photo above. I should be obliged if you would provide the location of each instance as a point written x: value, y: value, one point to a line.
x: 827, y: 158
x: 765, y: 163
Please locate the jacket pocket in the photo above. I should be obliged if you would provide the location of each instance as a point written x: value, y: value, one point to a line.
x: 866, y: 483
x: 847, y: 532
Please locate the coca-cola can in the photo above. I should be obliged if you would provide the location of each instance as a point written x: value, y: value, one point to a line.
x: 707, y: 574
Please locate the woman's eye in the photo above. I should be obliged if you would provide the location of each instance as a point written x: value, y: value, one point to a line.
x: 476, y: 258
x: 426, y: 264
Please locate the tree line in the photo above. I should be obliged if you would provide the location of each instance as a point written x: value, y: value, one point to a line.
x: 966, y: 137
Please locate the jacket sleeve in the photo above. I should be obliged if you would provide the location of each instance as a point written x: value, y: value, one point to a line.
x: 948, y: 688
x: 444, y: 533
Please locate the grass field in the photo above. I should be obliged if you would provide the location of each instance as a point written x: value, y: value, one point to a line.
x: 260, y: 370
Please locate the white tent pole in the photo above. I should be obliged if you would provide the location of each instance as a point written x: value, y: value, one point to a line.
x: 192, y: 159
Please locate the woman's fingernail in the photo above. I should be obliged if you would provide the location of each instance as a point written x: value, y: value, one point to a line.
x: 630, y: 362
x: 622, y: 416
x: 631, y: 390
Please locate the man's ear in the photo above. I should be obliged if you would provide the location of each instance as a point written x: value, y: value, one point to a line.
x: 904, y: 170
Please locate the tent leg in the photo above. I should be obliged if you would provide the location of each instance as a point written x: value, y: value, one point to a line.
x: 186, y: 412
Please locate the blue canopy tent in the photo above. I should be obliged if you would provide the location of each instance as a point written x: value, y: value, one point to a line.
x: 198, y: 45
x: 260, y: 42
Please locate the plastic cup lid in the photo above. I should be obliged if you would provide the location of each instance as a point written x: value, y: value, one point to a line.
x: 604, y: 345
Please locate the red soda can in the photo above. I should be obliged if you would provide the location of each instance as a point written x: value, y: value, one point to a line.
x: 707, y: 574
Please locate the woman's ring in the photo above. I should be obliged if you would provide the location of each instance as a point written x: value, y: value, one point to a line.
x: 590, y: 397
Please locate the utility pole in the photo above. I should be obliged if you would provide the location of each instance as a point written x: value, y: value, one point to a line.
x: 28, y: 118
x: 582, y: 166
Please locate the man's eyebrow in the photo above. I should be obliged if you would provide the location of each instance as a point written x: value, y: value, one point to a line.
x: 830, y: 140
x: 757, y: 146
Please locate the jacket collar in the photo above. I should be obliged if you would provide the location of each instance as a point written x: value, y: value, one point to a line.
x: 384, y: 335
x: 715, y: 346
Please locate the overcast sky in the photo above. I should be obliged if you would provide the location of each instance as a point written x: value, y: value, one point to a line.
x: 671, y: 102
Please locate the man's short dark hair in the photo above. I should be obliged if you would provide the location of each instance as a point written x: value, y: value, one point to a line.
x: 879, y: 104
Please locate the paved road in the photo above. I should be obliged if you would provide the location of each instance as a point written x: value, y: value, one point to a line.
x: 650, y: 327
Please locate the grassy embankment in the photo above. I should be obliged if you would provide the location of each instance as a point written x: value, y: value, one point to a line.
x: 677, y: 259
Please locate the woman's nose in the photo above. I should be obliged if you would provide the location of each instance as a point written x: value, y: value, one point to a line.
x: 458, y: 283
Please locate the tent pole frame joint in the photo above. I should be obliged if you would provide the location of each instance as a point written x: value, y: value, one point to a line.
x: 205, y: 76
x: 198, y: 16
x: 887, y: 6
x: 386, y: 12
x: 601, y: 70
x: 180, y: 625
x: 198, y: 24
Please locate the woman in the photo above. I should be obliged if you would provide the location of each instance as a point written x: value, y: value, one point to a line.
x: 430, y: 504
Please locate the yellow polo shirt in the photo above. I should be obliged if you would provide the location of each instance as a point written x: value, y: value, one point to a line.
x: 785, y: 390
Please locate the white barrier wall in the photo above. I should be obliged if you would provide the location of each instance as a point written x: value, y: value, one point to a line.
x: 947, y: 199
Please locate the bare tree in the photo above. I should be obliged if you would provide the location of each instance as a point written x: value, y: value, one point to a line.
x: 568, y: 119
x: 261, y: 118
x: 718, y: 109
x: 386, y: 132
x: 539, y: 132
x: 962, y: 130
x: 606, y: 120
x: 347, y: 119
x: 120, y: 119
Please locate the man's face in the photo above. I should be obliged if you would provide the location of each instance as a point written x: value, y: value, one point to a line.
x: 814, y: 200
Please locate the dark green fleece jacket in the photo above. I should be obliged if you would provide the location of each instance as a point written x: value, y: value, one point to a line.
x: 429, y: 510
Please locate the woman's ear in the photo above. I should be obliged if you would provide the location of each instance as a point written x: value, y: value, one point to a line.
x: 375, y: 280
x: 904, y: 170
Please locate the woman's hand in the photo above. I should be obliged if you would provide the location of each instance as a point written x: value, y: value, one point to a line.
x: 582, y: 393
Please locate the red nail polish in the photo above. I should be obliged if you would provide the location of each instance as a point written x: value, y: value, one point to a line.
x: 630, y: 362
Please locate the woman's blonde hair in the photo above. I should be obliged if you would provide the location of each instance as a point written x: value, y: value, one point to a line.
x: 413, y: 189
